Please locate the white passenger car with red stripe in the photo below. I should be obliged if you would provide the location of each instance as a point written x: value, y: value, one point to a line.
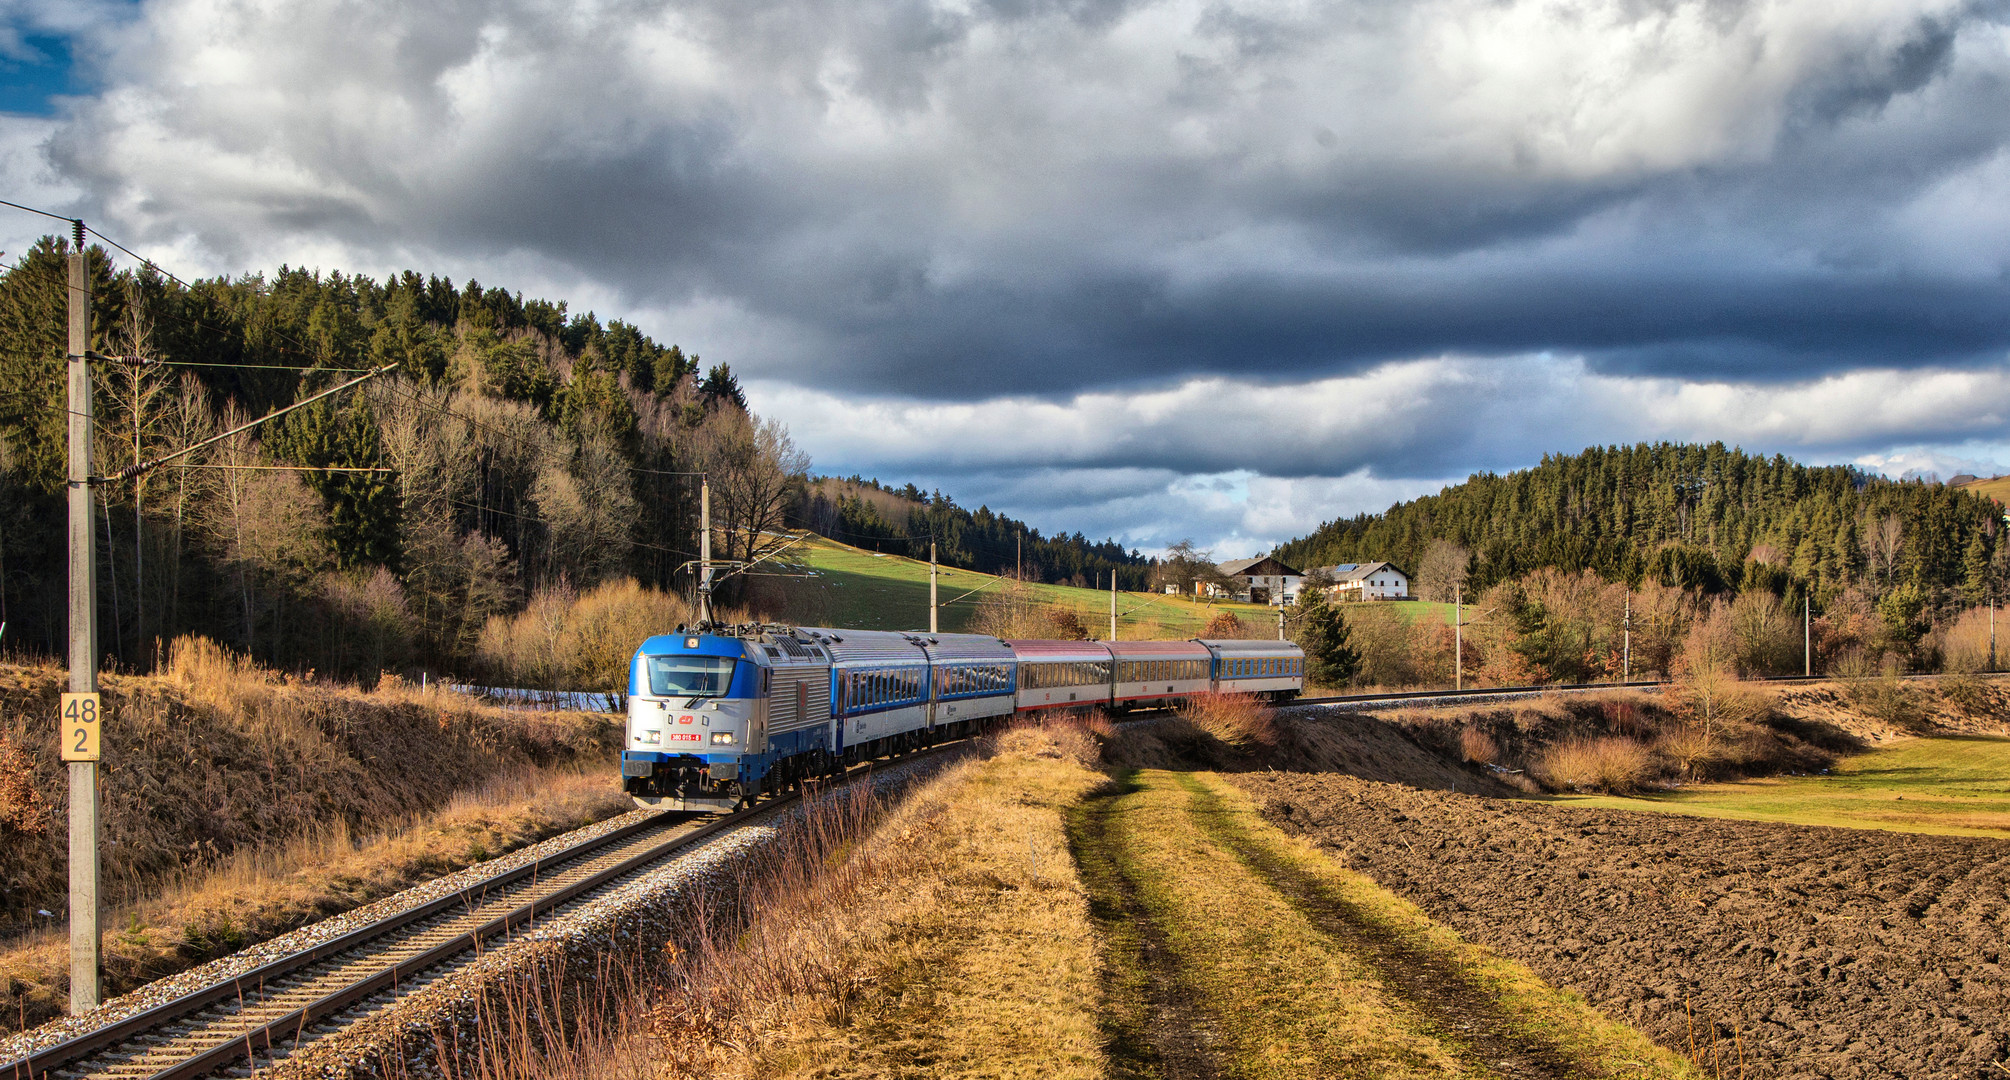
x: 1150, y: 674
x: 1062, y: 674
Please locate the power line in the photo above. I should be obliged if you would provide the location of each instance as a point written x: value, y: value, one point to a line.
x: 32, y: 210
x: 150, y: 362
x: 545, y: 522
x: 131, y: 471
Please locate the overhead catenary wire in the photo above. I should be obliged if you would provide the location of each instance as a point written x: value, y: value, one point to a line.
x: 140, y: 468
x: 44, y: 213
x: 545, y: 521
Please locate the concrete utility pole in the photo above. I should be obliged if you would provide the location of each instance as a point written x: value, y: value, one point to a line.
x: 1458, y: 637
x: 1626, y: 670
x: 1807, y: 634
x: 82, y: 710
x: 1280, y: 613
x: 704, y: 551
x: 1113, y: 604
x: 932, y: 624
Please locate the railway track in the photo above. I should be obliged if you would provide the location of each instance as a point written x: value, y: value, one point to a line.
x: 1511, y: 692
x: 264, y: 1015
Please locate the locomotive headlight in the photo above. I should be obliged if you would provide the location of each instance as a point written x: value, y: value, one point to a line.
x: 722, y: 737
x: 652, y: 736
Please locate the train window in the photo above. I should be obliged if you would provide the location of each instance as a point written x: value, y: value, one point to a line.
x: 689, y: 676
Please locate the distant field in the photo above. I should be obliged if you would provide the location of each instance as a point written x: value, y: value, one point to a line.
x: 1957, y: 785
x: 869, y: 591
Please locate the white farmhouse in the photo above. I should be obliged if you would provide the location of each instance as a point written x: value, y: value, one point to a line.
x: 1262, y: 580
x: 1367, y: 581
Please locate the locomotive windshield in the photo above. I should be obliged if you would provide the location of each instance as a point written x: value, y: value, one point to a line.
x: 690, y: 676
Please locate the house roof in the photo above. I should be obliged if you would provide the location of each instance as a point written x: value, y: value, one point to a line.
x: 1357, y: 571
x: 1240, y: 567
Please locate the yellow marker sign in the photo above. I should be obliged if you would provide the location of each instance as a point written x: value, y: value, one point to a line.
x: 81, y: 716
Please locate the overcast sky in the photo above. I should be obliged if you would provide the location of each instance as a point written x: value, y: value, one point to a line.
x: 1144, y: 269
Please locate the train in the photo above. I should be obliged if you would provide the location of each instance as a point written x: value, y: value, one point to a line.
x: 720, y: 715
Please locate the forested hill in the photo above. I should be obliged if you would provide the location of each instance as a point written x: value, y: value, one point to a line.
x: 1704, y: 517
x: 902, y: 521
x: 526, y: 447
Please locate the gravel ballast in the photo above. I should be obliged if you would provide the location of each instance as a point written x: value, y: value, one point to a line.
x: 163, y: 991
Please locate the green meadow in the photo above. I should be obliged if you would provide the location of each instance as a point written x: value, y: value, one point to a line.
x: 1956, y: 785
x: 865, y: 590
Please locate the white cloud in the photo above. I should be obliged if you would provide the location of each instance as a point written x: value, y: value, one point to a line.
x: 1240, y: 463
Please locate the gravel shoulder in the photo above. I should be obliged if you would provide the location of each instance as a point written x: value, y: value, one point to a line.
x: 1817, y: 952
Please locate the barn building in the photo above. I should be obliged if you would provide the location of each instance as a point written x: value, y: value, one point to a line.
x: 1262, y: 580
x: 1367, y: 581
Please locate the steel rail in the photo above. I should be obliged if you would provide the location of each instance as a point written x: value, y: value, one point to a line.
x: 267, y: 1036
x: 1539, y: 688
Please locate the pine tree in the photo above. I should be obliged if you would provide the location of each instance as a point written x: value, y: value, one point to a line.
x: 1320, y: 629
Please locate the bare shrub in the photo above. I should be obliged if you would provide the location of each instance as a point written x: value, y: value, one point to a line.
x: 1237, y: 721
x: 1604, y: 764
x: 1063, y: 737
x: 565, y: 640
x: 1697, y: 753
x: 1478, y: 747
x: 1714, y: 706
x: 1968, y: 693
x: 1854, y: 662
x: 1887, y: 699
x: 1223, y: 624
x: 1066, y: 625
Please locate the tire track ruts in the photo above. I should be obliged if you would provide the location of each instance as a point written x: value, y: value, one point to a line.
x: 1458, y: 1009
x: 1153, y: 1029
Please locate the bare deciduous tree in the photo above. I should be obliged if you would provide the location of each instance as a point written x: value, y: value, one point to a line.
x: 589, y: 507
x: 1442, y: 573
x: 1883, y: 541
x: 755, y: 470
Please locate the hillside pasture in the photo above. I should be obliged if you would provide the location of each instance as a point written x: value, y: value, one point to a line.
x: 863, y: 590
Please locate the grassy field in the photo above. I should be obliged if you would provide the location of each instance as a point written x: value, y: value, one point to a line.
x: 1997, y: 488
x: 864, y: 590
x: 1955, y: 785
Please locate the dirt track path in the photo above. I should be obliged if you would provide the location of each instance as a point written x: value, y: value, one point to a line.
x: 1150, y: 1021
x: 1227, y: 956
x: 1457, y: 1008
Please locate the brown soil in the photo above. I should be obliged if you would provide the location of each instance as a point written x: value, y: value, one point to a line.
x: 1816, y: 952
x: 1359, y: 744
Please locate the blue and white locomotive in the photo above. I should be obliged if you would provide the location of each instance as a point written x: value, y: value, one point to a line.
x: 720, y: 715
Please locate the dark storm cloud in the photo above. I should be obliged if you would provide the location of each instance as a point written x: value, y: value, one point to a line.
x: 1042, y: 197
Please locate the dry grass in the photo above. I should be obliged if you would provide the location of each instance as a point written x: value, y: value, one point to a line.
x: 953, y: 941
x: 220, y: 778
x: 260, y: 892
x: 1610, y: 764
x: 1238, y: 721
x: 1478, y: 747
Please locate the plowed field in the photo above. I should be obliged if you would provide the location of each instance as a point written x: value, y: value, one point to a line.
x: 1813, y: 952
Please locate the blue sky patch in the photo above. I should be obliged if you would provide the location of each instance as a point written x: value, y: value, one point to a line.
x: 29, y: 82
